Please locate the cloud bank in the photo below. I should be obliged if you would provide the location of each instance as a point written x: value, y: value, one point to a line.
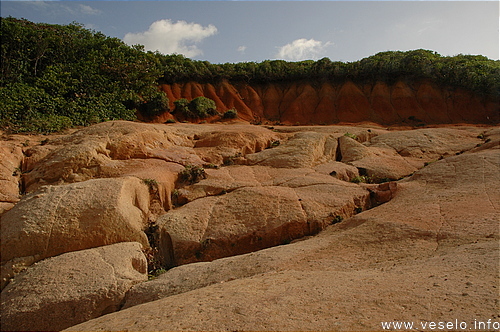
x: 169, y: 37
x: 302, y: 49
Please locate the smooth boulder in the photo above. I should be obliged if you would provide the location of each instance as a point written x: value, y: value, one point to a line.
x: 62, y: 291
x: 60, y: 219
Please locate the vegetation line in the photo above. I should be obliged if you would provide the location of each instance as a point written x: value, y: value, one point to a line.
x: 58, y: 76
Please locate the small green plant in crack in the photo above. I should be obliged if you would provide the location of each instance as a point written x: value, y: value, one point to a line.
x: 205, y: 243
x: 153, y: 274
x: 274, y: 143
x: 175, y: 197
x: 154, y: 265
x: 361, y: 179
x: 358, y: 209
x: 151, y: 183
x: 213, y: 166
x: 335, y: 219
x: 192, y: 174
x: 231, y: 160
x: 350, y: 135
x: 17, y: 171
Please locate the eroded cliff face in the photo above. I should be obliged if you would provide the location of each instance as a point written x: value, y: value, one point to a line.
x: 307, y: 102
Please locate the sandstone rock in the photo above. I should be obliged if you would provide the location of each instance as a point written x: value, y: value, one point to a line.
x: 338, y: 169
x: 59, y: 219
x: 304, y: 149
x: 382, y: 193
x: 80, y: 156
x: 375, y: 162
x: 193, y: 276
x: 351, y: 150
x: 11, y: 156
x: 4, y: 207
x: 273, y: 208
x: 161, y: 174
x: 430, y: 238
x: 491, y: 139
x: 224, y: 145
x: 429, y: 144
x: 327, y: 299
x: 227, y: 179
x: 414, y: 258
x: 62, y: 291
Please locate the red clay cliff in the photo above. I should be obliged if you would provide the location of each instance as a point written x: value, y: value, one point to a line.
x: 307, y: 102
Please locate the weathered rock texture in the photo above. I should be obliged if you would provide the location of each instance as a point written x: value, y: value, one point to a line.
x: 59, y: 219
x: 271, y: 207
x: 62, y: 291
x: 11, y: 157
x: 306, y: 102
x: 429, y: 254
x: 421, y: 247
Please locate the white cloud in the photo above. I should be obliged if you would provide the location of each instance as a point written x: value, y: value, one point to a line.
x: 84, y: 9
x: 168, y: 37
x: 242, y: 49
x: 302, y: 49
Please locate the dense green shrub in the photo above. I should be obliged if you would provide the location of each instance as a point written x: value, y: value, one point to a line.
x: 156, y: 104
x: 202, y: 107
x: 230, y: 114
x: 181, y: 106
x: 75, y: 75
x: 24, y: 108
x: 198, y: 108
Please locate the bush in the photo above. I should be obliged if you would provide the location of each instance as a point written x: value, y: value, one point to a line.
x: 24, y: 108
x: 156, y: 104
x: 182, y: 106
x: 198, y: 108
x: 86, y: 111
x: 202, y: 107
x: 230, y: 114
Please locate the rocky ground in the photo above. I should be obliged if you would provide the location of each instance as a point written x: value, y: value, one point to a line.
x: 245, y: 227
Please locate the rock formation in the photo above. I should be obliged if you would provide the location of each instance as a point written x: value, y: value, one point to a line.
x: 72, y: 288
x: 254, y: 227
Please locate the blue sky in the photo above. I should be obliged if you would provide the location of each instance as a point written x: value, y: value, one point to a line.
x: 236, y: 31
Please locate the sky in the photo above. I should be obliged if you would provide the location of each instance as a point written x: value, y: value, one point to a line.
x: 240, y: 31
